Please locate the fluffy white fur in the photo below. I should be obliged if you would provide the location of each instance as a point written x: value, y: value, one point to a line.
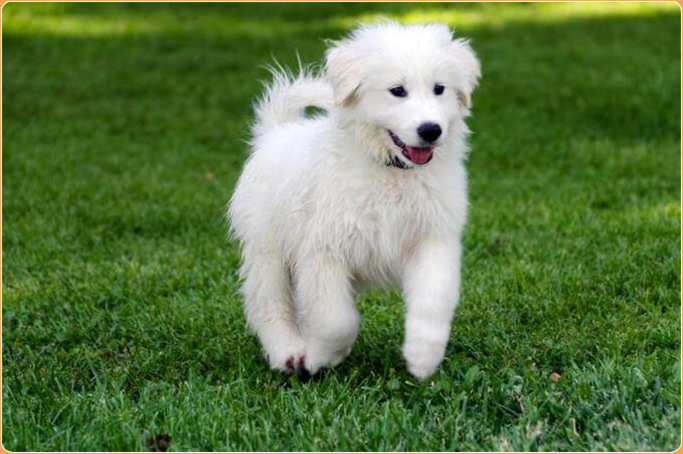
x: 319, y: 213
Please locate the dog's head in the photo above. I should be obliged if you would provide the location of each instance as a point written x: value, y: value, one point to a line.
x: 411, y: 84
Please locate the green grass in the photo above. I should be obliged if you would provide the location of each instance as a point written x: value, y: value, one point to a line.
x: 124, y: 131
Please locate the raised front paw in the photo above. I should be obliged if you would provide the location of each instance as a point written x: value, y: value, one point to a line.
x: 423, y: 357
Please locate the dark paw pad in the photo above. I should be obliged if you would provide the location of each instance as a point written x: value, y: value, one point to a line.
x: 289, y: 365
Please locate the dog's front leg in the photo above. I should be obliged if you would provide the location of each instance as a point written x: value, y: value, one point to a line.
x: 431, y: 282
x: 327, y: 315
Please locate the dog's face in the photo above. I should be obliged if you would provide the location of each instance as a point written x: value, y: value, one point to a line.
x: 409, y: 83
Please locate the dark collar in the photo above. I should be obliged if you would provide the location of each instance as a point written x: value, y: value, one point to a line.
x: 394, y: 161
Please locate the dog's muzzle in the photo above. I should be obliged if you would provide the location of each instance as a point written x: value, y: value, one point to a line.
x: 416, y: 155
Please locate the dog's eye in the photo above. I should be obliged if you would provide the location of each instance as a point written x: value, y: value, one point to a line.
x: 399, y: 91
x: 438, y: 89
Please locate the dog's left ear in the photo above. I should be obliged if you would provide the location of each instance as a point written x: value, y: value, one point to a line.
x: 342, y: 70
x: 469, y: 69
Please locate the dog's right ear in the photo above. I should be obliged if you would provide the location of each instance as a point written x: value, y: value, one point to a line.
x: 470, y: 67
x: 341, y: 68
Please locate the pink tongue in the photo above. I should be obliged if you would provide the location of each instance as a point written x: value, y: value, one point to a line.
x: 420, y: 155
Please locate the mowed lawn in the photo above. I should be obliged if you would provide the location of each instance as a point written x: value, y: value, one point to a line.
x: 124, y: 130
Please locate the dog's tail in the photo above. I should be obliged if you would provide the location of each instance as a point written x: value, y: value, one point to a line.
x: 287, y: 97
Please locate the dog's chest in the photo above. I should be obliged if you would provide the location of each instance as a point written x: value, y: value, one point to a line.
x: 382, y: 223
x: 382, y: 213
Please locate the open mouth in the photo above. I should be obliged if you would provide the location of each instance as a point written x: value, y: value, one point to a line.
x: 416, y: 155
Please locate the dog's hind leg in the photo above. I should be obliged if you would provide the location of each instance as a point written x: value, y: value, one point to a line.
x: 270, y: 311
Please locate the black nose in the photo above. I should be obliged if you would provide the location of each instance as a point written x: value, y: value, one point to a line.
x: 429, y: 131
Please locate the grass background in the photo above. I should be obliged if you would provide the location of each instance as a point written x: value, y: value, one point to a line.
x: 124, y: 130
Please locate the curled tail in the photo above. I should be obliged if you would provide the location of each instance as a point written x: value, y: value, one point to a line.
x: 287, y: 97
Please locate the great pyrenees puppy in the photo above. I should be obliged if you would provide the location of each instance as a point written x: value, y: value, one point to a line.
x: 373, y: 192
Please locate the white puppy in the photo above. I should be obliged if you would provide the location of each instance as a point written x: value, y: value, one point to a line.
x: 372, y: 192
